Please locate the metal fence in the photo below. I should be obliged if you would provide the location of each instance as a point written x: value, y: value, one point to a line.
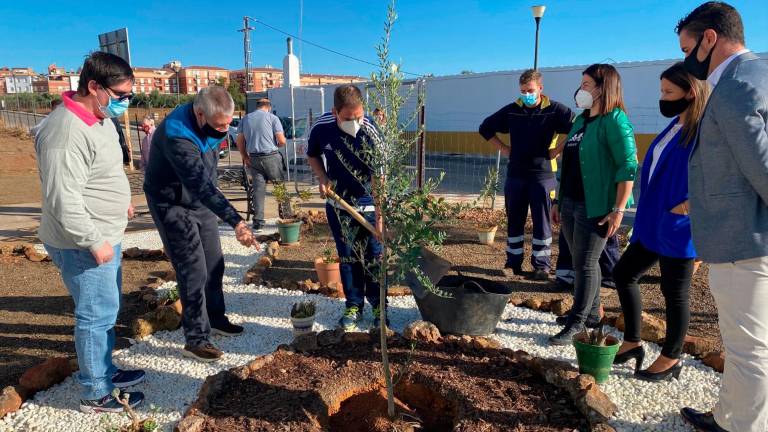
x: 20, y: 119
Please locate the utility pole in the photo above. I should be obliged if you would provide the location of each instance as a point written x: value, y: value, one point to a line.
x: 246, y: 30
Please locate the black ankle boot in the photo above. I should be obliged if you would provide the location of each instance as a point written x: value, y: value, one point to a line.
x: 667, y: 375
x: 637, y: 353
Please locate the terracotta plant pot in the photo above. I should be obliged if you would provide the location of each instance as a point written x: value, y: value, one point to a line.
x: 487, y: 235
x: 327, y: 273
x: 302, y: 325
x: 176, y: 306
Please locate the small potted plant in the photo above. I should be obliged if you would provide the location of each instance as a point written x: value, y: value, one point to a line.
x: 303, y: 317
x: 289, y: 222
x: 486, y: 230
x: 171, y: 299
x: 595, y: 351
x: 327, y: 266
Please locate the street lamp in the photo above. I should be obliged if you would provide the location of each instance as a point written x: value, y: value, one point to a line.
x: 176, y: 68
x: 538, y: 13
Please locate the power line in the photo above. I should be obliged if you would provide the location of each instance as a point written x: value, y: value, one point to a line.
x: 322, y: 47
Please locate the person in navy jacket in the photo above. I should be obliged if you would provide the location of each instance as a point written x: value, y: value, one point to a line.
x: 662, y: 230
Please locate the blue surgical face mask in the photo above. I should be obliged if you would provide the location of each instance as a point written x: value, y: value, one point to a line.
x: 529, y: 98
x: 115, y: 107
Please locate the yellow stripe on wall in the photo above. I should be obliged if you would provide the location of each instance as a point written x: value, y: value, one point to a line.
x: 473, y: 143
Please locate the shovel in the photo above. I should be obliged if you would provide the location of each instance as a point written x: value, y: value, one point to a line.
x: 433, y: 267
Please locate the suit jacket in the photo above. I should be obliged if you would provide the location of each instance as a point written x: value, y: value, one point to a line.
x: 728, y: 168
x: 656, y: 227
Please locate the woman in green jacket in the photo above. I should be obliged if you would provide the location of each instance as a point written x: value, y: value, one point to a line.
x: 599, y: 167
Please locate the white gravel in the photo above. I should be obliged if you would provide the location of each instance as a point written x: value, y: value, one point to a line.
x: 173, y: 381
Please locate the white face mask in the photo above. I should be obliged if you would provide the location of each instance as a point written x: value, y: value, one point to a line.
x: 584, y: 99
x: 351, y: 127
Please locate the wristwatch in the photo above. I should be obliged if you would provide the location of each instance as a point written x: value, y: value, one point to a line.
x: 617, y: 210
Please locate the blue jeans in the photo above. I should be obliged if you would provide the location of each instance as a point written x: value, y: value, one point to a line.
x: 357, y: 278
x: 96, y: 292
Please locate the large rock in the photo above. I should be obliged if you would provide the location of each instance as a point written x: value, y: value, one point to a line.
x: 43, y: 376
x: 357, y: 338
x: 330, y: 337
x: 561, y: 307
x: 422, y: 331
x: 698, y: 346
x: 715, y: 360
x: 305, y: 342
x: 652, y: 329
x: 163, y: 318
x: 31, y: 253
x: 10, y: 401
x: 534, y: 303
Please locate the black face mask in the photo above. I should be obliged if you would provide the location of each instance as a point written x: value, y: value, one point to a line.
x: 674, y: 107
x: 213, y: 133
x: 699, y: 69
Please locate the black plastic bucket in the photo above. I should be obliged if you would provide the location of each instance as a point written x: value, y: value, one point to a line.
x: 474, y: 308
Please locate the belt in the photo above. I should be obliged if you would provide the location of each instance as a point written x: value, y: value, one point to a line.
x: 263, y: 154
x: 360, y: 209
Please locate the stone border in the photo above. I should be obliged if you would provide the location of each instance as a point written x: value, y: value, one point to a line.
x: 37, y: 378
x: 589, y: 399
x: 652, y: 328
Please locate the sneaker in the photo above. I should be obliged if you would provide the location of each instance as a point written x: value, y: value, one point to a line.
x: 377, y: 318
x: 565, y: 337
x: 591, y: 323
x: 540, y: 275
x: 108, y: 404
x: 258, y: 227
x: 227, y: 329
x: 350, y: 318
x: 126, y: 378
x: 205, y: 352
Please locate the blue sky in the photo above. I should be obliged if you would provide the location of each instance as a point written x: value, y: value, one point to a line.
x: 432, y: 36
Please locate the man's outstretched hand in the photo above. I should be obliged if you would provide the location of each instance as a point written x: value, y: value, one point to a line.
x: 245, y: 236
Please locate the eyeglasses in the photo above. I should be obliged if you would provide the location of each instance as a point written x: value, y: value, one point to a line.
x: 118, y: 95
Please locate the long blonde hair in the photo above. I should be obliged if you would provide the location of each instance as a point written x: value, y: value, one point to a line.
x: 677, y: 75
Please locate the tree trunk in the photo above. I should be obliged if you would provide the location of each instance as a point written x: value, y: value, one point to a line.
x: 383, y: 331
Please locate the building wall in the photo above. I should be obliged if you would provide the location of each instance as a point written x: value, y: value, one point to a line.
x: 193, y: 78
x: 147, y: 80
x: 18, y: 84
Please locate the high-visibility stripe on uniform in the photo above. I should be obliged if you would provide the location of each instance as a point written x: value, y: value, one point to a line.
x: 547, y: 252
x: 515, y: 239
x: 545, y: 242
x: 518, y: 251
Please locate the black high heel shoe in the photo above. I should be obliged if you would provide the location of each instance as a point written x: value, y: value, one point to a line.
x: 637, y: 353
x: 667, y: 375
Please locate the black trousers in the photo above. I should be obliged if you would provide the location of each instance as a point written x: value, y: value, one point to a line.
x: 192, y: 242
x: 676, y: 274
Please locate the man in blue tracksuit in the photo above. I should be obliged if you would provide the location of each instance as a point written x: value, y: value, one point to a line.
x: 339, y: 137
x: 533, y: 122
x: 180, y: 186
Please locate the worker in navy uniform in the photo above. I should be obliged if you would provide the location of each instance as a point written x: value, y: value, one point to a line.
x: 338, y: 137
x: 180, y: 186
x: 533, y: 122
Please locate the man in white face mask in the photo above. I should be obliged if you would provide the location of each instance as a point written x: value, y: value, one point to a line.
x: 338, y: 137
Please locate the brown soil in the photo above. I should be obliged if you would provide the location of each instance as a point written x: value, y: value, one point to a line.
x: 19, y: 182
x: 442, y: 388
x: 474, y: 259
x: 36, y: 312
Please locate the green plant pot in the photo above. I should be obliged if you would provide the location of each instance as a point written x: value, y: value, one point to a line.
x: 289, y: 232
x: 596, y: 360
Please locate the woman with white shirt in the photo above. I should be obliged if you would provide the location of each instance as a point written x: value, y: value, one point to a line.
x: 662, y: 229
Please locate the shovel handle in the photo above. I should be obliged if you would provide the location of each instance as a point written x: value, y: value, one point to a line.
x: 352, y: 212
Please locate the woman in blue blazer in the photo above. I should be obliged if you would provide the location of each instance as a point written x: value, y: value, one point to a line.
x: 662, y: 230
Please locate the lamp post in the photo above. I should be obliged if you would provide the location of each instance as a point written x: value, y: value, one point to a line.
x: 538, y: 13
x: 176, y: 69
